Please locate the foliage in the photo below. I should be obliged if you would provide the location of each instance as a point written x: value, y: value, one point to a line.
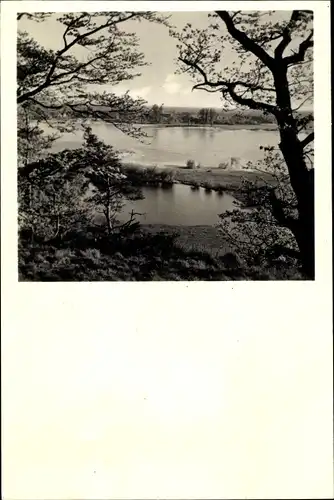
x: 273, y: 73
x: 208, y: 186
x: 207, y: 115
x: 32, y: 141
x: 254, y: 230
x: 64, y: 191
x: 176, y: 117
x: 256, y: 39
x: 141, y: 257
x: 109, y: 185
x: 51, y: 202
x: 190, y: 164
x: 156, y: 113
x: 95, y: 51
x: 148, y: 176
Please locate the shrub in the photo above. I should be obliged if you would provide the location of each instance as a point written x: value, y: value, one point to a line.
x: 92, y: 254
x: 151, y: 171
x: 152, y: 176
x: 234, y: 161
x: 223, y: 165
x: 167, y: 177
x: 231, y: 260
x: 208, y: 186
x: 190, y: 164
x: 253, y: 230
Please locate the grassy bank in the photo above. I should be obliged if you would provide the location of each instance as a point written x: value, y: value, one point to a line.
x: 229, y: 180
x: 201, y: 238
x: 215, y: 179
x: 155, y: 253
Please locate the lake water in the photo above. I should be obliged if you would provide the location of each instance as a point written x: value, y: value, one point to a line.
x: 169, y: 146
x: 173, y: 146
x: 179, y: 205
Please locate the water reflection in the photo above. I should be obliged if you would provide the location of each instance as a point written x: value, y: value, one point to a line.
x: 186, y: 132
x: 203, y: 133
x: 179, y: 205
x: 154, y: 134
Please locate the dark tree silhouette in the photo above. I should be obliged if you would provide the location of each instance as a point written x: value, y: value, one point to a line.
x: 275, y: 75
x: 156, y: 113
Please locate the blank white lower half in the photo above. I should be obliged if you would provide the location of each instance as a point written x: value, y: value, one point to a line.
x: 147, y: 407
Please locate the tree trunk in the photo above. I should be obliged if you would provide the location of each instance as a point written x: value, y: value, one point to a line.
x: 107, y: 216
x: 302, y: 179
x: 302, y: 182
x: 305, y: 228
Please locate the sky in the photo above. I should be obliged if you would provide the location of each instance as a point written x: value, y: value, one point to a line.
x: 158, y: 82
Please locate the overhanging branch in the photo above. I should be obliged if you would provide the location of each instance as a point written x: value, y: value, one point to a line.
x: 67, y: 46
x: 307, y: 140
x: 298, y: 57
x: 227, y: 86
x: 245, y: 40
x: 47, y: 106
x: 286, y: 35
x: 251, y: 103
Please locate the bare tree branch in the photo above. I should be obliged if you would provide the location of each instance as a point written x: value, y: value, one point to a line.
x: 244, y: 39
x: 299, y: 56
x: 251, y: 103
x: 286, y: 35
x: 228, y: 86
x: 307, y: 140
x: 46, y: 106
x: 69, y: 26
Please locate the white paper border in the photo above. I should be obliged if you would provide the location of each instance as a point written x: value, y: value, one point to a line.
x: 284, y: 327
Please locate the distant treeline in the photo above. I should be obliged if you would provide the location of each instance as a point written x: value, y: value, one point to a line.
x: 203, y: 116
x: 189, y: 116
x: 207, y: 116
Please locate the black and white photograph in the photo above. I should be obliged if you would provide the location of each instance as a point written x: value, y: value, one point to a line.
x: 166, y: 250
x: 165, y: 146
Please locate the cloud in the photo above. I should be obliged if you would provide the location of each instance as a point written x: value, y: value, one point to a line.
x: 172, y: 85
x: 141, y: 92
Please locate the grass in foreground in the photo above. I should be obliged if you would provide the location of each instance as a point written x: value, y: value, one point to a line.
x: 154, y: 254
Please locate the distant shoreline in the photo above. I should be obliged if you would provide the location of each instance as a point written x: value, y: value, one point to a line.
x: 223, y: 126
x: 264, y: 127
